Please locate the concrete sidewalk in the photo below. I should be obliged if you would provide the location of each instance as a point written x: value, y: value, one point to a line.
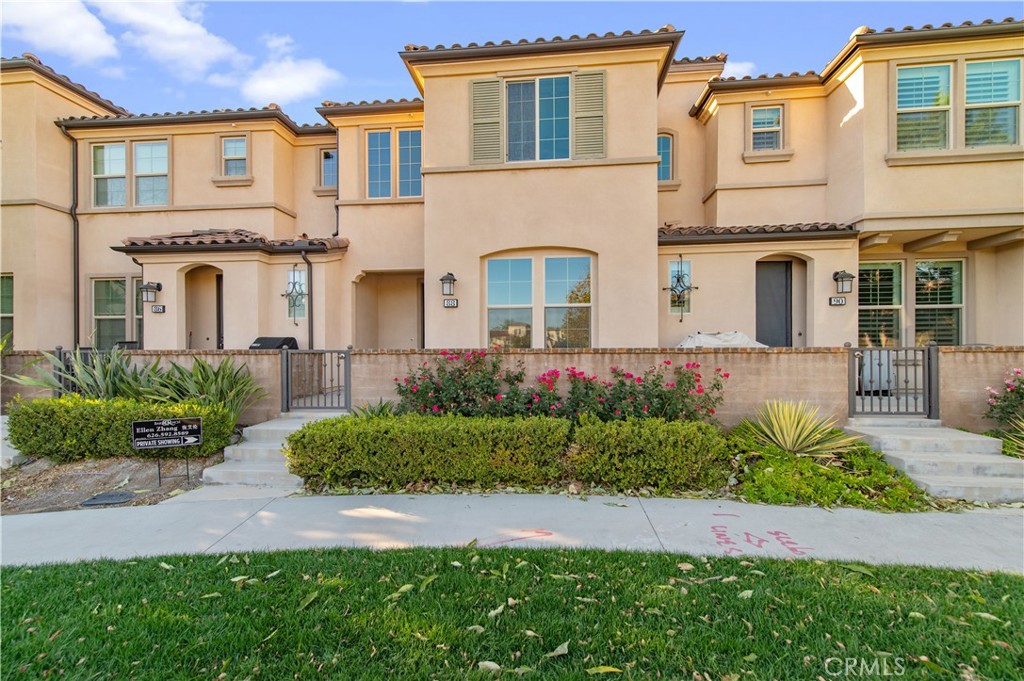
x: 986, y: 539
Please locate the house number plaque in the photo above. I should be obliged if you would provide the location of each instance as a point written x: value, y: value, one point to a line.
x: 451, y: 302
x: 837, y: 300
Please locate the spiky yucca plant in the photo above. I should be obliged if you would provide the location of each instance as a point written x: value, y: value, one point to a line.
x: 382, y: 409
x: 795, y: 427
x: 98, y: 375
x: 1015, y: 437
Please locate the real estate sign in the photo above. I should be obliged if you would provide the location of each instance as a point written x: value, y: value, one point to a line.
x: 185, y: 432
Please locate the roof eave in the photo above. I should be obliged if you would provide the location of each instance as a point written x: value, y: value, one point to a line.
x: 675, y: 240
x: 177, y: 119
x: 270, y: 249
x: 54, y: 77
x: 783, y: 82
x: 370, y: 108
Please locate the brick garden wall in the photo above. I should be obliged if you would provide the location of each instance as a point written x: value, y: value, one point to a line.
x: 964, y: 374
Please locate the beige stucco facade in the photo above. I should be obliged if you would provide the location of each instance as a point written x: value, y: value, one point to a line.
x: 831, y: 193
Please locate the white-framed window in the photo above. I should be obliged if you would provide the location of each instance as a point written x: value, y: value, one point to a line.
x: 664, y: 157
x: 678, y: 270
x: 537, y: 118
x: 766, y: 128
x: 116, y: 318
x: 6, y: 304
x: 296, y: 297
x: 510, y: 302
x: 922, y: 107
x: 992, y: 101
x: 567, y: 302
x: 958, y: 104
x: 938, y: 301
x: 234, y: 155
x: 328, y: 168
x: 150, y: 168
x: 131, y: 172
x: 880, y: 304
x: 382, y: 156
x: 109, y: 175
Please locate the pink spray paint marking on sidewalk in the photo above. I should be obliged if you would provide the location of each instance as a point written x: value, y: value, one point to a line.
x: 724, y: 538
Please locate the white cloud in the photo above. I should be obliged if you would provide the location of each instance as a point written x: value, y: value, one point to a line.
x: 170, y: 32
x: 64, y: 28
x: 286, y: 79
x: 279, y: 45
x: 739, y: 69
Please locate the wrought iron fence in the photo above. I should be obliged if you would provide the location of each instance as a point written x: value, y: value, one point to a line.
x: 315, y: 379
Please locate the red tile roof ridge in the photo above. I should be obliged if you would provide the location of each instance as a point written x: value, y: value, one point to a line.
x: 412, y: 47
x: 33, y: 62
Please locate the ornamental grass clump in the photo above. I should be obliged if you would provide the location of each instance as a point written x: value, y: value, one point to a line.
x: 794, y: 427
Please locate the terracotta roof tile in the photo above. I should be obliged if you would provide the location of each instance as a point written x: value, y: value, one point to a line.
x: 864, y: 30
x: 537, y: 41
x: 270, y: 111
x: 224, y: 237
x: 763, y: 76
x: 721, y: 57
x: 30, y: 61
x: 673, y: 232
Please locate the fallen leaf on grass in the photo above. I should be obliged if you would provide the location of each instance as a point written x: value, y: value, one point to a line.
x: 165, y: 566
x: 752, y: 657
x: 307, y: 600
x: 916, y: 615
x: 1001, y: 644
x: 685, y: 567
x: 532, y: 634
x: 476, y: 629
x: 426, y: 582
x: 215, y: 594
x: 240, y: 578
x: 488, y: 666
x: 559, y: 651
x: 497, y: 611
x: 746, y: 594
x: 604, y: 669
x: 934, y: 667
x: 275, y: 573
x: 986, y: 616
x: 858, y: 568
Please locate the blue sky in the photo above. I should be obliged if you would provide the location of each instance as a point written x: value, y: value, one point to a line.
x: 173, y: 56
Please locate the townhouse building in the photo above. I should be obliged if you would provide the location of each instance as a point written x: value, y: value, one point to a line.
x: 594, y: 191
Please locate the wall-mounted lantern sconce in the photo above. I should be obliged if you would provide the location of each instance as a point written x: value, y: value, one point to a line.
x: 448, y: 284
x: 844, y: 281
x: 149, y: 291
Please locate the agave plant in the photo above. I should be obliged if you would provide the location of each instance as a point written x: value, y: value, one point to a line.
x: 795, y: 427
x: 1015, y: 437
x: 383, y: 408
x: 226, y: 383
x: 98, y: 375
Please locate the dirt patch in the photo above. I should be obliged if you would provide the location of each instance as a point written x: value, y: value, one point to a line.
x: 41, y: 485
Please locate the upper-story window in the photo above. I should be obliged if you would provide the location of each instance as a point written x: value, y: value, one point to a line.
x: 664, y: 158
x: 380, y: 159
x: 922, y: 107
x: 518, y: 119
x: 538, y: 118
x: 111, y: 173
x: 328, y: 167
x: 234, y: 156
x: 992, y: 102
x: 958, y: 105
x: 766, y: 128
x: 6, y: 304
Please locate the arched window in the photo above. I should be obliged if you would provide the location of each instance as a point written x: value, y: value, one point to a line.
x: 665, y: 158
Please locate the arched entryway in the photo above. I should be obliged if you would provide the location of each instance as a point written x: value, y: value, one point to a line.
x: 204, y: 308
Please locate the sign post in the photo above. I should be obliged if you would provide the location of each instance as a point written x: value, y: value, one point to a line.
x: 184, y: 432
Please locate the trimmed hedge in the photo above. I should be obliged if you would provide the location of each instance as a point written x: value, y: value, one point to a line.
x: 667, y: 455
x: 408, y: 449
x: 411, y: 449
x: 73, y: 427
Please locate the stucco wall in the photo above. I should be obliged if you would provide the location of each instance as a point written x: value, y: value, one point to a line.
x: 964, y: 373
x: 817, y: 375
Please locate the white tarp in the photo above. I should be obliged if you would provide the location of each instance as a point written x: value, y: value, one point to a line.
x: 720, y: 339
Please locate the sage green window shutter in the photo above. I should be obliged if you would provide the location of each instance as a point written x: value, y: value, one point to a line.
x: 485, y: 104
x: 588, y: 139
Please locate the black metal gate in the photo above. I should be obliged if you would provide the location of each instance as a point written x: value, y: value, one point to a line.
x: 315, y: 379
x: 894, y: 381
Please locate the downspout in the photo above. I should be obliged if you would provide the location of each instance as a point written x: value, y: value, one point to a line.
x: 75, y: 292
x: 309, y: 300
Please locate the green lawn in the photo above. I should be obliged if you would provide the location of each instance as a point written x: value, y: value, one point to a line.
x: 552, y: 614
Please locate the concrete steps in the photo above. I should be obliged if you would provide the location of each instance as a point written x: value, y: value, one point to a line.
x: 944, y: 462
x: 258, y: 460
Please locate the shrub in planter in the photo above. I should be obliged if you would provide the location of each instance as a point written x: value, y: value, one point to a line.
x: 409, y: 449
x: 74, y: 427
x: 667, y: 455
x: 470, y: 384
x: 1007, y: 403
